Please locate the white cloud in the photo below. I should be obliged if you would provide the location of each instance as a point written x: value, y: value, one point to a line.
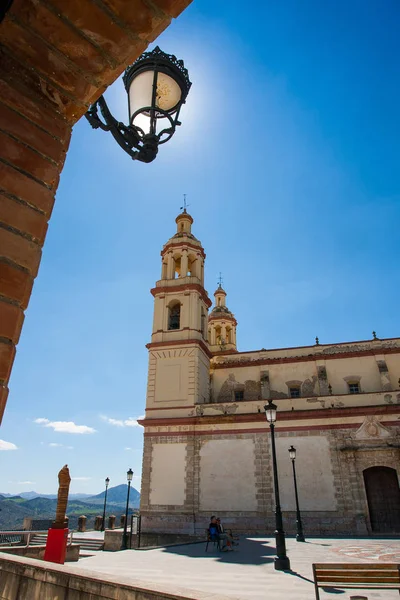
x: 130, y: 422
x: 7, y: 445
x: 26, y: 482
x: 80, y: 478
x: 65, y: 426
x: 54, y: 445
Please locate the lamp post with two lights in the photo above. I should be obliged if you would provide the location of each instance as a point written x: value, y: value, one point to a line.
x: 281, y: 560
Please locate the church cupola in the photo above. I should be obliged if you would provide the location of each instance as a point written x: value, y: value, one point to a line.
x: 221, y: 324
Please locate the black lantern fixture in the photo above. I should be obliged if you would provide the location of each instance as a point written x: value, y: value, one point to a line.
x: 300, y: 535
x: 157, y: 85
x: 107, y: 481
x: 281, y: 561
x: 124, y: 545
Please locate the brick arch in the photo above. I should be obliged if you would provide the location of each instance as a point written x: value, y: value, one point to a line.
x: 56, y: 58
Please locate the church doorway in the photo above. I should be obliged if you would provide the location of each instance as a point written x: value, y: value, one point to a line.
x: 383, y: 495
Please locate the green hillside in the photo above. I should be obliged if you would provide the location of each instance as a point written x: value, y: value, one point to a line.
x: 14, y: 509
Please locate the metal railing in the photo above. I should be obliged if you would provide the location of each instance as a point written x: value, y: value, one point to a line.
x: 24, y: 537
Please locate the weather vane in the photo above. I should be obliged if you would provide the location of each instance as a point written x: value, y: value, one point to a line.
x: 185, y: 204
x: 220, y: 280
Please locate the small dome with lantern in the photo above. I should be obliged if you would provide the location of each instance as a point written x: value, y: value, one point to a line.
x: 221, y: 324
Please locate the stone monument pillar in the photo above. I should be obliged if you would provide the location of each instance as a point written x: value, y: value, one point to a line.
x: 56, y: 545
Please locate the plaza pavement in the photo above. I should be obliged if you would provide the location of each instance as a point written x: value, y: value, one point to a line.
x: 247, y: 573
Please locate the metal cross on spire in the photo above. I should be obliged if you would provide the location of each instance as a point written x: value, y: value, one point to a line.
x: 185, y: 204
x: 220, y: 280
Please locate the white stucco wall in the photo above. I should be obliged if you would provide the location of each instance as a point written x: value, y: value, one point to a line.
x: 314, y: 473
x: 227, y: 480
x: 167, y: 483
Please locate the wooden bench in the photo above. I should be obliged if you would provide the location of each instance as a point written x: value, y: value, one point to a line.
x: 375, y: 576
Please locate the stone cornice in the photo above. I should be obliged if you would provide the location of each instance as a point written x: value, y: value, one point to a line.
x: 262, y: 431
x: 203, y: 346
x: 296, y: 415
x: 311, y: 357
x: 185, y: 244
x: 222, y: 317
x: 183, y: 288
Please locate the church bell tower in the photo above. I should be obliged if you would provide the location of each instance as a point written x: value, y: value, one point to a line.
x: 221, y: 325
x: 179, y: 359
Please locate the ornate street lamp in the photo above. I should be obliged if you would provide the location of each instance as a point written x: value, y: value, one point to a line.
x: 300, y: 535
x: 124, y: 545
x: 105, y: 502
x: 157, y: 85
x: 281, y: 561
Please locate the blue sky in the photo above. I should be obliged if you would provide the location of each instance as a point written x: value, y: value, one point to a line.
x: 289, y: 156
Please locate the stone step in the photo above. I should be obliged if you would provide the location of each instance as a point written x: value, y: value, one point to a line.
x: 92, y: 544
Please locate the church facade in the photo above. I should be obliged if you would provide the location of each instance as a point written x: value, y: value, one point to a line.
x: 207, y: 446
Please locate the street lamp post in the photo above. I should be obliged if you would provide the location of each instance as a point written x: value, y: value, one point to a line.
x: 281, y: 561
x: 157, y: 85
x: 105, y: 503
x: 300, y: 535
x: 124, y: 545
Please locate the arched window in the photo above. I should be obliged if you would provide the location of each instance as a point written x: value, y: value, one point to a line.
x: 174, y: 319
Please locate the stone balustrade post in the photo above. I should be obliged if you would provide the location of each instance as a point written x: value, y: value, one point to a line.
x: 82, y: 523
x: 111, y: 522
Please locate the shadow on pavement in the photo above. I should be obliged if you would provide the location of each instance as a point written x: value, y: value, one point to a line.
x: 249, y: 552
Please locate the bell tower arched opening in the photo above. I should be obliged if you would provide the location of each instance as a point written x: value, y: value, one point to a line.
x: 174, y: 316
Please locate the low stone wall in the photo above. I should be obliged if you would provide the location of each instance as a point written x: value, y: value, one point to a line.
x: 26, y: 578
x: 163, y: 527
x: 38, y: 551
x: 113, y: 540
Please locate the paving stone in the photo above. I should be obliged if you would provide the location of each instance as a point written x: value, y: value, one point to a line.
x: 248, y: 572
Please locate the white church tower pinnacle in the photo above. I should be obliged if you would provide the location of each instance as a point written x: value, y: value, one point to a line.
x: 179, y: 352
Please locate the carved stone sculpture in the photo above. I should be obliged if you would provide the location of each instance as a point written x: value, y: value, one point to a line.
x: 64, y: 481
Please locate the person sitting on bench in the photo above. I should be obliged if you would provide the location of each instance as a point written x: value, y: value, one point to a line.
x: 229, y: 533
x: 214, y: 530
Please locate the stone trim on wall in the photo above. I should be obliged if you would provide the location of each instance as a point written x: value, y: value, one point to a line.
x: 298, y: 415
x: 154, y: 345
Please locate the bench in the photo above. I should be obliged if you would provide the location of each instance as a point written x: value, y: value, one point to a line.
x: 375, y: 576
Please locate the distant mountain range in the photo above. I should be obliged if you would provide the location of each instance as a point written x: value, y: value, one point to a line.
x: 117, y: 495
x: 13, y: 509
x: 31, y: 495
